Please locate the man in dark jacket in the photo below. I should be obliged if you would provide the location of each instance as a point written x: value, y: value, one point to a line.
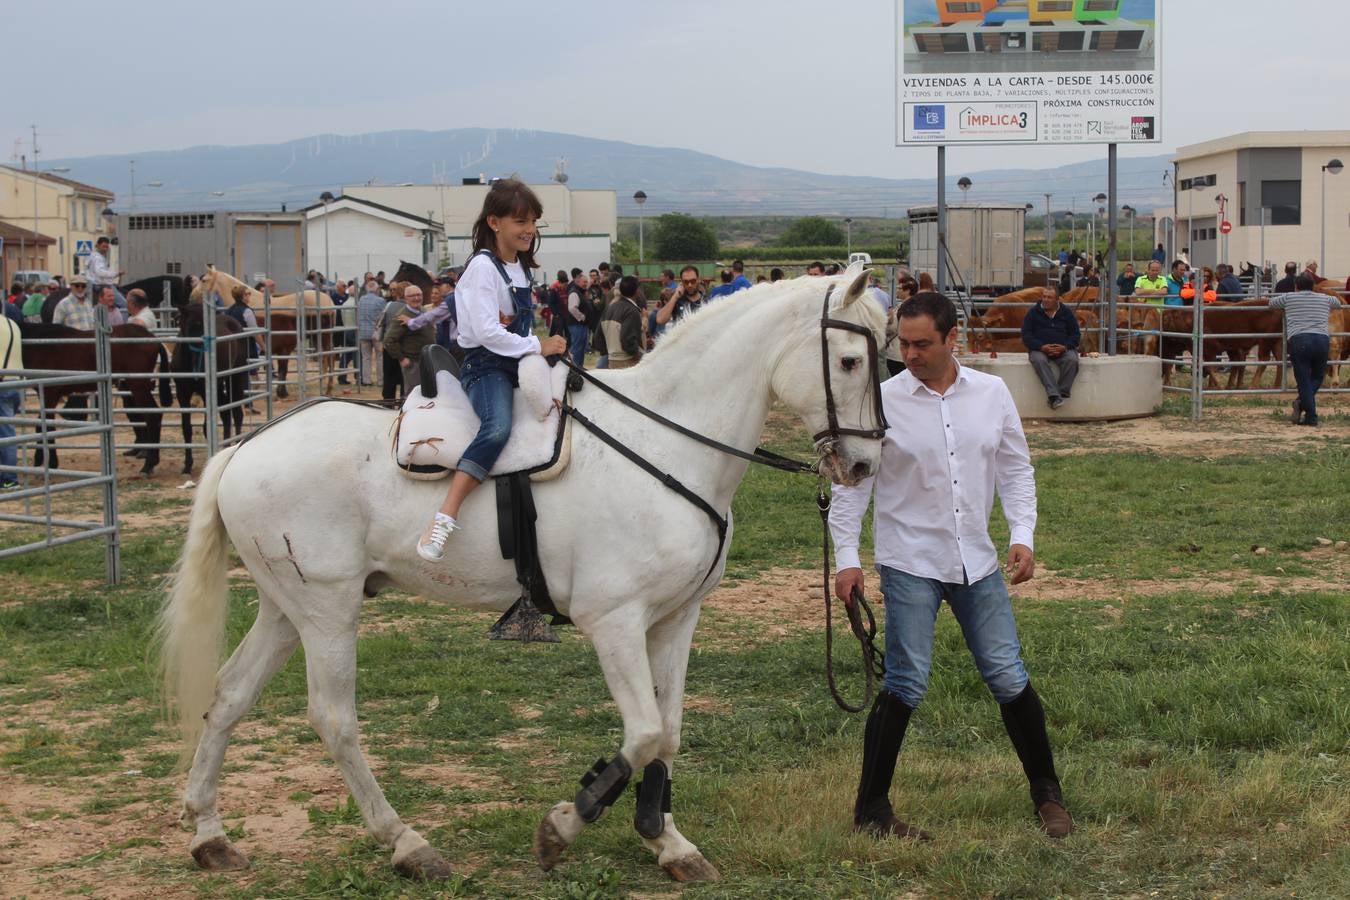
x: 621, y: 333
x: 1230, y: 288
x: 1286, y: 284
x: 405, y: 344
x: 1051, y: 335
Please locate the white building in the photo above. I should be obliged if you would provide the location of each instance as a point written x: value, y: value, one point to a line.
x: 1284, y: 173
x: 578, y: 227
x: 351, y: 236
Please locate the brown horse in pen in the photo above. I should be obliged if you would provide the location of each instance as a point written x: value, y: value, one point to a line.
x: 320, y: 317
x: 80, y: 356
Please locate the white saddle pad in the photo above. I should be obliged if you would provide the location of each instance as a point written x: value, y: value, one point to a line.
x: 433, y: 433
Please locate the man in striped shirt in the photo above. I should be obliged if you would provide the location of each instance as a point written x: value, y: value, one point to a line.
x: 1305, y: 322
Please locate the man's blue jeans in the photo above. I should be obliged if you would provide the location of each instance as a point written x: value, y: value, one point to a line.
x: 491, y: 394
x: 985, y: 615
x: 578, y: 337
x: 10, y: 402
x: 1308, y: 353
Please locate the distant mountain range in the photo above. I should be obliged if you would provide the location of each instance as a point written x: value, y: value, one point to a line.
x: 263, y: 176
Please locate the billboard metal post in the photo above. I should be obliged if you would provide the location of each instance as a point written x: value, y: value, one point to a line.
x: 941, y: 280
x: 1112, y: 288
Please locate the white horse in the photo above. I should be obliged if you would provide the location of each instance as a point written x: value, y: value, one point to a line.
x: 320, y: 528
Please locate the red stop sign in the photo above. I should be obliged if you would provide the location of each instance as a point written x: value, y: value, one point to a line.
x: 1225, y: 226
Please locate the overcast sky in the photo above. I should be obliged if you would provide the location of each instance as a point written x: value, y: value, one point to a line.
x: 799, y: 83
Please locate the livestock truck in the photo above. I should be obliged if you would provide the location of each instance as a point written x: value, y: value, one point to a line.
x: 986, y: 246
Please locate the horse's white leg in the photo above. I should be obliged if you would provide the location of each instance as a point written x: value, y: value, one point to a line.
x: 330, y: 662
x: 620, y: 644
x: 668, y: 648
x: 262, y: 652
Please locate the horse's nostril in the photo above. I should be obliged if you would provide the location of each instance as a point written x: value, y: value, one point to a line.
x: 860, y: 471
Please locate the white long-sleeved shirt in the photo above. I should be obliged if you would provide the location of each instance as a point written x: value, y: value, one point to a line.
x: 481, y: 300
x: 98, y: 270
x: 942, y: 458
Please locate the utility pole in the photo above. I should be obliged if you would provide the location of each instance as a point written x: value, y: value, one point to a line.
x: 1049, y: 231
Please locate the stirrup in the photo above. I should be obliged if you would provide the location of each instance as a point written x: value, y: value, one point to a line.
x: 523, y: 622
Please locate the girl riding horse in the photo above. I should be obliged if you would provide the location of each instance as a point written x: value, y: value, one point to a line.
x: 493, y: 307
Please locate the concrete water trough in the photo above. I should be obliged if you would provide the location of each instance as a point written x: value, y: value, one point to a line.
x: 1107, y: 387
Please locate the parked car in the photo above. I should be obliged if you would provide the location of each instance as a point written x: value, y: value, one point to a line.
x: 29, y: 277
x: 1038, y: 270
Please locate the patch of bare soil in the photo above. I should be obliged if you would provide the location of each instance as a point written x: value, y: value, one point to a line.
x: 780, y: 601
x: 1224, y: 431
x: 50, y: 846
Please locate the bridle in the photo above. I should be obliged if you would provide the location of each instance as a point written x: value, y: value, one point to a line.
x: 825, y: 440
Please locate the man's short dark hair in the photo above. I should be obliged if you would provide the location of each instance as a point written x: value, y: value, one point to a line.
x: 832, y: 269
x: 628, y: 286
x: 604, y: 267
x: 668, y: 274
x: 1177, y: 262
x: 693, y: 269
x: 1304, y: 282
x: 726, y: 276
x: 102, y: 240
x: 775, y: 274
x: 576, y: 271
x: 816, y: 265
x: 1290, y: 268
x: 737, y: 266
x: 932, y: 304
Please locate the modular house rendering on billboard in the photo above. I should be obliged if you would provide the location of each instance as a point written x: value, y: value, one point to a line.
x: 1028, y: 26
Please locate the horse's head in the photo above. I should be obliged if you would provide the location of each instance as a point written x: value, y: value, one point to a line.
x: 839, y: 398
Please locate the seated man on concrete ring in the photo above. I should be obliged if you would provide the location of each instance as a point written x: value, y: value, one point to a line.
x: 1051, y: 335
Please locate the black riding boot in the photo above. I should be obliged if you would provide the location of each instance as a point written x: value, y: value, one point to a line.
x: 1024, y: 717
x: 882, y: 737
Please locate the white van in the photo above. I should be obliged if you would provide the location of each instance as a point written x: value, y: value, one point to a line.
x: 864, y: 258
x: 32, y: 276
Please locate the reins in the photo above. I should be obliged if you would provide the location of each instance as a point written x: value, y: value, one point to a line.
x: 857, y: 606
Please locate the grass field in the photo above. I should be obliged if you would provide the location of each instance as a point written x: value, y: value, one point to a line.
x: 1196, y: 693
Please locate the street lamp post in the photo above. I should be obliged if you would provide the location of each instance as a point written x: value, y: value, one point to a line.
x: 1092, y: 252
x: 1334, y: 167
x: 1073, y: 230
x: 848, y: 236
x: 1049, y: 229
x: 1261, y: 272
x: 1129, y: 212
x: 327, y: 198
x: 640, y: 198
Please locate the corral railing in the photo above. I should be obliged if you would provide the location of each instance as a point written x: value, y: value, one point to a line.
x: 32, y: 506
x: 1221, y: 359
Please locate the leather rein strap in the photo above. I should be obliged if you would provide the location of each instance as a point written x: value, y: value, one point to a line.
x: 857, y: 606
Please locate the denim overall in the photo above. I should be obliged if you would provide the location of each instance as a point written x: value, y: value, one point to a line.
x: 490, y: 380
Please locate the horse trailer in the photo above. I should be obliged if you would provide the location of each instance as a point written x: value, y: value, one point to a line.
x: 249, y: 245
x: 984, y: 246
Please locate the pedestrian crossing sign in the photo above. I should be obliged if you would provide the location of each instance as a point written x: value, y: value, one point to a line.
x: 84, y: 248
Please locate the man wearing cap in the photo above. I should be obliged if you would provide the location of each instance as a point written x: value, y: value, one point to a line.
x: 101, y: 273
x: 76, y: 309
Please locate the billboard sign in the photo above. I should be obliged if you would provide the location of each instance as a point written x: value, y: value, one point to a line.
x: 1027, y: 71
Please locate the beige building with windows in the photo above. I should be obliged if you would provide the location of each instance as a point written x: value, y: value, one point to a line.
x: 1284, y: 180
x: 67, y: 211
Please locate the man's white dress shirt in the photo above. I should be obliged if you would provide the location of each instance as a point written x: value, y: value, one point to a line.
x: 942, y: 458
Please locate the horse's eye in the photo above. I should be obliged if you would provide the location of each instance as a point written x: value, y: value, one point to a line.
x: 851, y: 362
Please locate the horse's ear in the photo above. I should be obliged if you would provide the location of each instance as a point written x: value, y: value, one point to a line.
x: 857, y: 286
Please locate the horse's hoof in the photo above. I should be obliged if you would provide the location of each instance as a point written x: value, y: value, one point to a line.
x: 548, y: 844
x: 692, y: 868
x: 219, y: 855
x: 423, y: 864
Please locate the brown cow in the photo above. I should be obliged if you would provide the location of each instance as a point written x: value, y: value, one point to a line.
x: 1008, y: 311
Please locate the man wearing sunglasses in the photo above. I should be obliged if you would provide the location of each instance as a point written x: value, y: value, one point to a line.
x: 688, y: 297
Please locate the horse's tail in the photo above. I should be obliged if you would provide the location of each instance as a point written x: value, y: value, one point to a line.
x: 165, y: 382
x: 191, y: 627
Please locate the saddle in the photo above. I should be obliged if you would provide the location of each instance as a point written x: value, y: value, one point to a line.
x: 436, y: 425
x: 437, y: 422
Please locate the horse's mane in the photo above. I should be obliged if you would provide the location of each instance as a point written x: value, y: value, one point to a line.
x: 713, y: 315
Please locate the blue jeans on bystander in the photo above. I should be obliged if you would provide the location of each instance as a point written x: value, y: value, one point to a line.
x: 10, y: 401
x: 985, y: 615
x: 578, y: 337
x: 1308, y: 354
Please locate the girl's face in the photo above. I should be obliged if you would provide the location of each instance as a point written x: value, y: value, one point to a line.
x: 514, y: 233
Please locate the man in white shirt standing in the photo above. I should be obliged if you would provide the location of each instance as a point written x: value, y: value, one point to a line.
x: 954, y: 439
x: 102, y: 274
